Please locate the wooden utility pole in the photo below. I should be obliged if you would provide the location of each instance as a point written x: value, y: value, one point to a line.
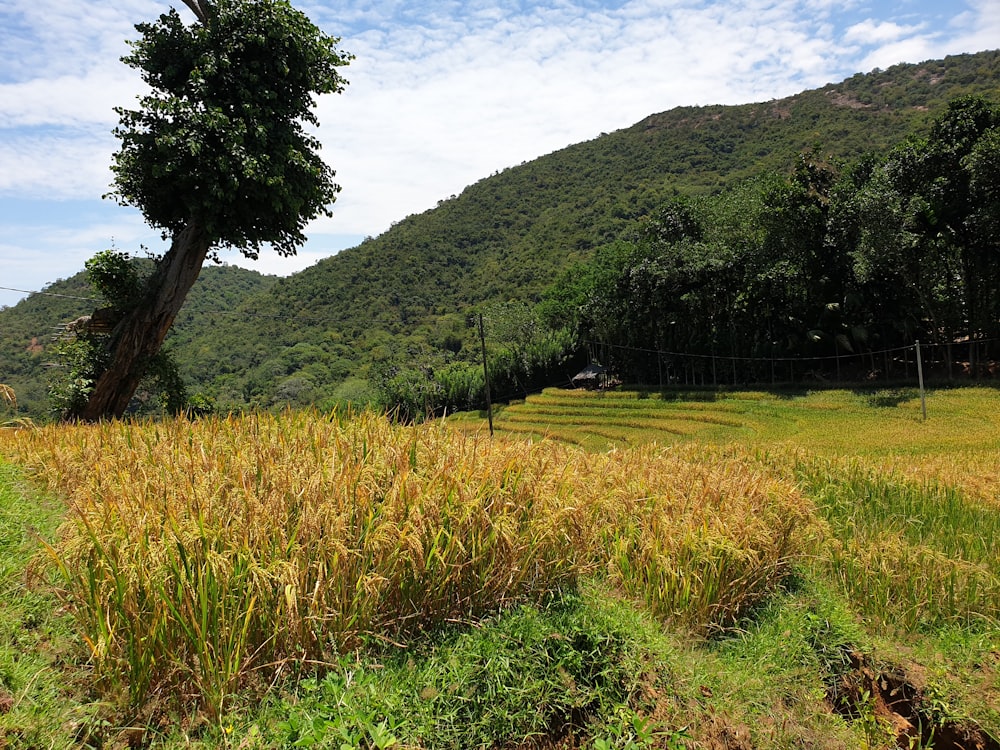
x: 486, y: 375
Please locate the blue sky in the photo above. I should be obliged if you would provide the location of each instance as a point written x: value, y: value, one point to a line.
x: 442, y: 94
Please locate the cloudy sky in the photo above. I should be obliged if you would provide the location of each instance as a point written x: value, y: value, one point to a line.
x: 441, y: 94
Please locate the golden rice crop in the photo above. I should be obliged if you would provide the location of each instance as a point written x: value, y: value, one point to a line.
x: 198, y: 552
x: 698, y: 534
x: 976, y: 473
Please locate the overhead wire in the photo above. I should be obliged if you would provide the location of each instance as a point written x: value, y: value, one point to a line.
x: 298, y: 315
x: 732, y: 357
x: 49, y: 294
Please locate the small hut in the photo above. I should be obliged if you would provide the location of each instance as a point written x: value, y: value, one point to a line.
x: 591, y: 376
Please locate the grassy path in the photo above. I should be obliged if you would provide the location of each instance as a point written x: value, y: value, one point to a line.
x: 43, y: 686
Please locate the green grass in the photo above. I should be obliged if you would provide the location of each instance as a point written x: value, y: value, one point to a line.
x: 589, y: 669
x: 45, y: 699
x: 912, y: 541
x: 527, y: 673
x: 917, y: 539
x: 593, y: 670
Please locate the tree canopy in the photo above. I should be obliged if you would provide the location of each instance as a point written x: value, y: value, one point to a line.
x: 217, y: 155
x: 220, y: 140
x: 828, y: 261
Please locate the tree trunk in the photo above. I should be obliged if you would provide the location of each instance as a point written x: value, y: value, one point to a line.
x: 139, y: 335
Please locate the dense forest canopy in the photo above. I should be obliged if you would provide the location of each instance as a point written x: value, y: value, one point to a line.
x: 831, y: 260
x: 844, y: 220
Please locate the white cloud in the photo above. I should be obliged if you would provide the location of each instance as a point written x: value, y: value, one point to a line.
x: 977, y: 29
x: 55, y: 164
x: 74, y: 100
x: 52, y: 38
x: 444, y: 93
x: 871, y: 31
x: 914, y: 49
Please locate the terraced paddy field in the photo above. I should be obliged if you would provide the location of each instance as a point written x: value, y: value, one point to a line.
x: 957, y: 444
x: 835, y: 422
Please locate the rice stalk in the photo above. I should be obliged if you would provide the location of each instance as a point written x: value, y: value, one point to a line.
x: 200, y: 552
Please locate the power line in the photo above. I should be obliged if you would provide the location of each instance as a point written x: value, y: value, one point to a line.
x: 736, y: 358
x: 49, y: 294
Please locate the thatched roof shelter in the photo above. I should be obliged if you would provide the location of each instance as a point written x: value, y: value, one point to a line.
x: 591, y: 376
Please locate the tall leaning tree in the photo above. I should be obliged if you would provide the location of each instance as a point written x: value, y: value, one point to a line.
x: 217, y: 156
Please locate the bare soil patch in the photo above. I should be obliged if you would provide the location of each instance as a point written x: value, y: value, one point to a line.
x: 891, y: 698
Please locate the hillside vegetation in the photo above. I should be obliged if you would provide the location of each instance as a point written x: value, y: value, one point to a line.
x: 29, y: 329
x: 336, y: 330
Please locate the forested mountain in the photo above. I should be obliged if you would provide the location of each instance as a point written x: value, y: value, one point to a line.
x: 402, y: 301
x: 29, y: 328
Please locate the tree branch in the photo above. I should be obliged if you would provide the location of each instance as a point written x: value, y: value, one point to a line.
x: 199, y: 7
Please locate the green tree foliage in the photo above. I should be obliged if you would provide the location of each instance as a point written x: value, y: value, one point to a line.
x: 821, y: 263
x: 216, y: 156
x: 748, y: 274
x: 32, y: 330
x: 220, y: 140
x: 524, y: 355
x: 81, y: 349
x: 927, y: 223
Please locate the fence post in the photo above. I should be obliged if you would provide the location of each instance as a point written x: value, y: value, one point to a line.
x: 920, y: 380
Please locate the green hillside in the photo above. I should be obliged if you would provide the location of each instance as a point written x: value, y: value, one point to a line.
x: 27, y: 330
x: 407, y: 295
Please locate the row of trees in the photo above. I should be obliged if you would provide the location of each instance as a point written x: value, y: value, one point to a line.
x: 830, y: 260
x: 523, y: 355
x: 823, y: 266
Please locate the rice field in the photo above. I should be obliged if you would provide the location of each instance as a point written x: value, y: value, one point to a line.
x: 872, y: 423
x: 911, y: 506
x: 211, y: 559
x: 199, y: 553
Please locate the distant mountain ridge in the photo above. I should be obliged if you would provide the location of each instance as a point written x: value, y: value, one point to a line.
x: 311, y: 337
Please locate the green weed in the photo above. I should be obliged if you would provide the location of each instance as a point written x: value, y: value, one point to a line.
x: 44, y: 699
